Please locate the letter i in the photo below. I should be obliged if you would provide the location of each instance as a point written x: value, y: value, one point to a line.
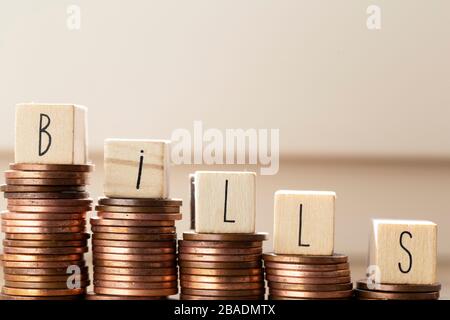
x: 141, y: 164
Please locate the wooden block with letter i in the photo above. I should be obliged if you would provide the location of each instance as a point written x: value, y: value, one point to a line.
x: 304, y: 222
x: 136, y: 168
x: 225, y: 202
x: 403, y: 251
x: 51, y: 134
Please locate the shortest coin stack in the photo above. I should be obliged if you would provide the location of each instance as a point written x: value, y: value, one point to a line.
x: 299, y: 277
x: 221, y: 266
x: 365, y: 290
x: 134, y: 249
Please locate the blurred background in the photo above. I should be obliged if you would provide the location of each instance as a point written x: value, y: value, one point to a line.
x: 361, y: 112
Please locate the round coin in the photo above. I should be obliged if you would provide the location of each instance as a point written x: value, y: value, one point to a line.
x: 136, y: 285
x: 134, y: 264
x: 220, y: 251
x: 49, y: 251
x: 396, y: 295
x: 312, y: 294
x: 133, y: 251
x: 42, y: 292
x: 49, y: 209
x: 131, y: 223
x: 7, y: 297
x: 140, y: 202
x: 47, y: 182
x: 101, y: 297
x: 44, y: 244
x: 135, y: 257
x: 334, y: 259
x: 310, y: 287
x: 218, y: 258
x: 52, y: 237
x: 306, y: 274
x: 218, y: 279
x: 223, y: 293
x: 147, y: 210
x: 136, y: 292
x: 140, y: 216
x: 43, y: 223
x: 222, y: 272
x: 306, y: 267
x: 220, y: 265
x: 40, y: 230
x: 220, y: 244
x: 136, y: 272
x: 42, y: 264
x: 13, y: 174
x: 126, y: 278
x: 296, y: 280
x: 50, y: 202
x: 62, y: 272
x: 43, y: 258
x: 41, y: 189
x: 52, y: 167
x: 192, y: 236
x: 363, y: 285
x: 137, y: 230
x: 221, y: 286
x: 42, y: 216
x: 42, y: 285
x: 46, y: 195
x: 190, y: 297
x: 133, y: 237
x: 134, y: 244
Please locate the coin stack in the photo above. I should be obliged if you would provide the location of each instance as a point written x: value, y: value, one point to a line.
x: 134, y: 249
x: 44, y: 226
x: 221, y: 266
x: 375, y: 291
x: 298, y: 277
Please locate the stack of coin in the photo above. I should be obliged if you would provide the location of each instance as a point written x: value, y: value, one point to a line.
x: 299, y: 277
x: 134, y: 248
x: 221, y: 266
x: 366, y: 290
x: 44, y: 226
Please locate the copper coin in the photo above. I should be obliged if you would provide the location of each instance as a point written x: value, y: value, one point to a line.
x: 42, y: 264
x: 140, y: 202
x: 136, y: 285
x: 47, y: 182
x: 310, y: 287
x: 396, y: 295
x: 43, y: 223
x: 140, y: 216
x: 362, y: 284
x: 43, y: 292
x: 52, y: 167
x: 26, y: 278
x: 303, y: 259
x: 42, y: 285
x: 147, y: 210
x: 306, y: 267
x: 137, y: 230
x: 44, y: 244
x: 133, y: 251
x: 220, y: 251
x: 125, y: 278
x: 52, y: 237
x: 135, y: 272
x: 193, y: 236
x: 218, y: 279
x: 220, y: 244
x: 109, y: 297
x: 296, y: 280
x: 312, y: 294
x: 50, y: 202
x: 190, y: 297
x: 134, y: 237
x: 46, y: 195
x: 136, y: 292
x: 135, y: 257
x: 49, y: 209
x: 7, y: 297
x: 222, y: 272
x: 131, y: 223
x: 306, y: 274
x: 133, y: 264
x: 41, y: 258
x: 220, y: 265
x: 13, y: 174
x: 221, y: 286
x: 218, y: 258
x: 62, y: 250
x: 134, y: 244
x: 41, y: 189
x: 42, y: 271
x: 223, y: 293
x: 40, y: 230
x: 42, y: 216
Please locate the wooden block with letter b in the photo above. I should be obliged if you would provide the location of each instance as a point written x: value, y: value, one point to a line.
x: 51, y: 134
x: 403, y: 251
x: 304, y: 222
x: 136, y: 168
x: 225, y: 202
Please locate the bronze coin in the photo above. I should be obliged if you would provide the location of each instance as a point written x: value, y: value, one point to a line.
x: 134, y: 237
x: 41, y: 189
x: 136, y: 285
x: 147, y: 210
x: 223, y: 293
x: 133, y: 264
x: 47, y: 182
x: 136, y: 230
x: 135, y: 257
x: 27, y: 278
x: 131, y: 223
x: 310, y: 287
x: 136, y: 272
x: 50, y: 202
x: 303, y: 259
x: 193, y: 236
x: 218, y: 279
x: 43, y: 264
x: 190, y: 297
x: 47, y: 237
x: 42, y: 271
x: 52, y: 167
x: 44, y: 244
x: 134, y: 244
x: 43, y: 223
x: 221, y: 286
x: 306, y: 267
x: 39, y: 230
x: 220, y: 251
x: 396, y: 295
x: 43, y: 292
x: 306, y: 274
x: 362, y: 284
x: 220, y: 265
x: 218, y: 258
x: 7, y: 297
x: 136, y: 292
x: 46, y: 195
x: 296, y: 280
x: 42, y: 216
x: 126, y: 278
x: 12, y: 174
x: 42, y: 285
x: 222, y: 272
x: 140, y: 216
x: 312, y: 294
x: 140, y: 202
x: 133, y: 251
x: 50, y: 251
x: 220, y: 244
x: 101, y: 297
x: 41, y: 257
x: 37, y: 209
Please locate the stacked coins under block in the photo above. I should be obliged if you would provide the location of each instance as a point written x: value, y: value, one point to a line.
x: 221, y: 266
x: 301, y: 277
x: 134, y: 249
x: 44, y: 228
x: 366, y: 290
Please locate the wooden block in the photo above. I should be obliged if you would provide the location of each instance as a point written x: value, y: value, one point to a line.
x: 304, y: 222
x: 51, y: 134
x: 225, y: 202
x: 404, y: 251
x: 136, y: 168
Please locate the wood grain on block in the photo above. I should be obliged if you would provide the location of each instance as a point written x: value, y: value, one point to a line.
x: 51, y: 134
x: 136, y: 168
x: 403, y: 251
x: 225, y: 202
x: 304, y: 222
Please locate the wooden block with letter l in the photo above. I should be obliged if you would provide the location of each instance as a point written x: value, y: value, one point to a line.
x: 51, y: 134
x: 403, y: 251
x: 225, y: 202
x: 304, y: 222
x: 136, y: 168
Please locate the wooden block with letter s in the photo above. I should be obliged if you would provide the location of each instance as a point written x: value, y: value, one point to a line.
x: 51, y: 134
x: 225, y: 202
x: 136, y: 168
x: 304, y: 222
x: 403, y: 251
